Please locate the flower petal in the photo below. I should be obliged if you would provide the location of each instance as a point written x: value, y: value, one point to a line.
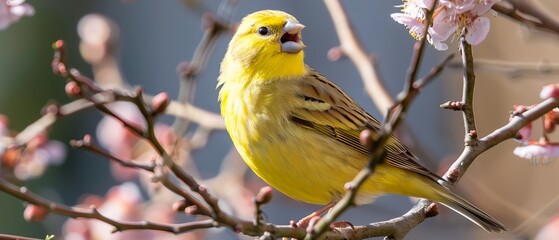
x: 460, y: 6
x: 538, y: 153
x: 482, y: 7
x: 443, y: 26
x: 548, y: 91
x: 477, y: 31
x: 22, y: 10
x: 14, y: 2
x: 415, y: 26
x: 425, y: 3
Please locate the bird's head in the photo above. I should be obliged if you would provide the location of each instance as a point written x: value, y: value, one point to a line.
x: 268, y: 44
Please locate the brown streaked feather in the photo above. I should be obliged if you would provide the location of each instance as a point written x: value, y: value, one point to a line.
x: 328, y: 110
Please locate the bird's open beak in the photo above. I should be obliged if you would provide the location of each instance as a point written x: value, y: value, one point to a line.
x: 291, y: 37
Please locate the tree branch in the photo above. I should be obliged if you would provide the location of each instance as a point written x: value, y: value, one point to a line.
x: 513, y: 69
x: 365, y: 64
x: 24, y: 194
x: 214, y: 26
x: 377, y: 150
x: 469, y: 81
x: 530, y: 13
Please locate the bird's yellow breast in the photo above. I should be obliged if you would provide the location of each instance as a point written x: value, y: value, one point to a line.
x: 298, y: 162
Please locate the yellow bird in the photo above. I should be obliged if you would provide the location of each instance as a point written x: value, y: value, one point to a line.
x: 299, y: 132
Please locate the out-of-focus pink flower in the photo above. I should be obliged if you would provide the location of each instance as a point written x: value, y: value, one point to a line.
x: 39, y: 154
x: 34, y: 213
x: 551, y: 90
x: 113, y: 135
x: 538, y: 152
x: 4, y: 133
x: 118, y: 140
x: 450, y: 16
x: 550, y: 231
x: 31, y: 161
x: 122, y: 202
x: 124, y: 144
x: 550, y: 119
x: 13, y: 10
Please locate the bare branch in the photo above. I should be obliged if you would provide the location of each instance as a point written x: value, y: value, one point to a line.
x: 214, y: 26
x: 392, y: 119
x: 366, y: 65
x: 12, y: 237
x: 499, y: 135
x: 24, y: 194
x: 513, y: 69
x: 469, y: 80
x: 530, y: 13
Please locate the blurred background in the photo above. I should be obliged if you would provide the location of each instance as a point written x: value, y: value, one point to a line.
x: 155, y: 37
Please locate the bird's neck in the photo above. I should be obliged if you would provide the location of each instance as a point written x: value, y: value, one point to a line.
x: 275, y: 67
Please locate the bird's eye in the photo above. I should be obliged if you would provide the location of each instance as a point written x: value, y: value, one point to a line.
x: 263, y: 31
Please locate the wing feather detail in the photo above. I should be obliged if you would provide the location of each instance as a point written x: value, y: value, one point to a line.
x: 326, y: 109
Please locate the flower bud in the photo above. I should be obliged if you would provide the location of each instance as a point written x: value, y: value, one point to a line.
x: 159, y: 103
x: 264, y: 195
x: 366, y: 138
x: 335, y: 54
x: 10, y: 157
x: 192, y: 210
x: 432, y: 210
x: 179, y: 206
x: 72, y: 89
x: 34, y: 213
x: 58, y: 44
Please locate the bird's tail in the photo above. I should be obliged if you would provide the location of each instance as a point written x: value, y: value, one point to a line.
x: 468, y: 210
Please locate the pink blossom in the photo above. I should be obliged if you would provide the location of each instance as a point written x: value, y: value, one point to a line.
x: 125, y: 144
x: 12, y: 10
x: 477, y: 30
x: 427, y: 4
x: 538, y: 152
x: 549, y: 231
x: 35, y: 160
x: 551, y: 90
x: 415, y: 26
x: 114, y: 136
x: 460, y: 6
x: 450, y: 17
x: 122, y: 202
x: 4, y: 133
x: 441, y: 29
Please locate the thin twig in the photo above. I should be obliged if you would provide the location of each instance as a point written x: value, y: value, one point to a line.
x: 530, y: 13
x: 24, y: 194
x: 49, y: 119
x: 88, y: 145
x: 392, y: 119
x: 469, y: 80
x: 366, y: 65
x: 13, y: 237
x: 214, y: 27
x: 499, y: 135
x: 513, y: 69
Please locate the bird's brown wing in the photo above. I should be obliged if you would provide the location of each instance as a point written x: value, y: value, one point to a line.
x: 325, y: 108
